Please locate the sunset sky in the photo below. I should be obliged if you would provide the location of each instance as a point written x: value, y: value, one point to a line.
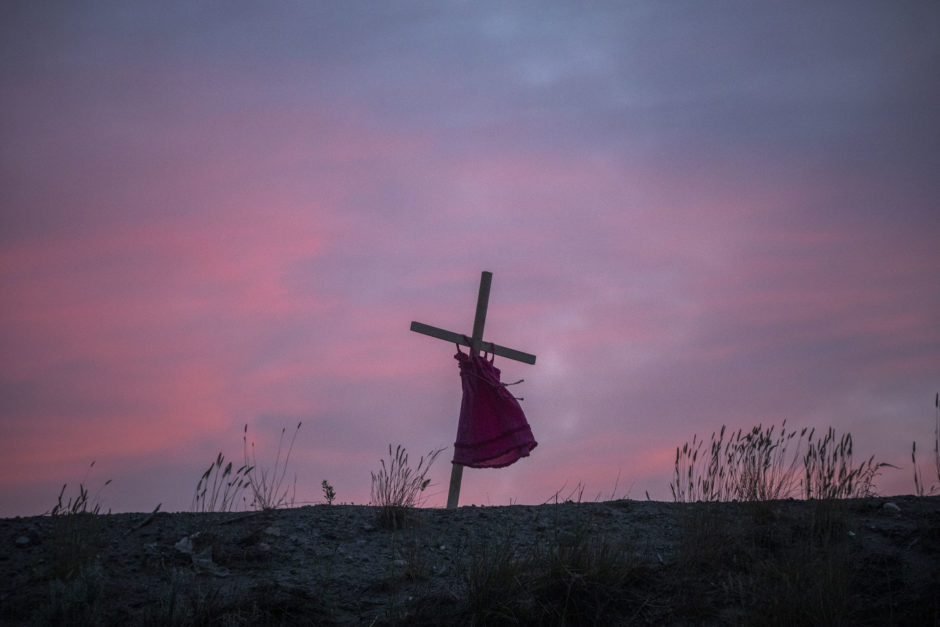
x: 696, y: 214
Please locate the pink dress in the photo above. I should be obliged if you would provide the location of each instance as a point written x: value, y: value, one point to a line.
x: 492, y: 431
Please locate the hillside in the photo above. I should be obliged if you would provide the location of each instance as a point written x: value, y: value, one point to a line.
x: 865, y: 561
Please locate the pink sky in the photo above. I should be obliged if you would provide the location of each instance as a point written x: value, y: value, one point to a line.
x: 695, y: 216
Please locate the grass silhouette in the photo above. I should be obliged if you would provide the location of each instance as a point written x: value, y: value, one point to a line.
x: 745, y: 552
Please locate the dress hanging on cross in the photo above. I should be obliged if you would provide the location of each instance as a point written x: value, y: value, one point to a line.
x: 492, y: 431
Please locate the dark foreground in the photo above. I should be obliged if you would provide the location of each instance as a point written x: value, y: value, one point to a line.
x: 870, y: 561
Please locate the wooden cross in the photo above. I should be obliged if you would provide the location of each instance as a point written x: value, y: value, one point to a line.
x: 476, y: 343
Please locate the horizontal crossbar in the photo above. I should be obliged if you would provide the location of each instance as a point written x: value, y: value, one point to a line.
x: 463, y: 340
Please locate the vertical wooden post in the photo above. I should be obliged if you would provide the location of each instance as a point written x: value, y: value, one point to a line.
x: 479, y: 321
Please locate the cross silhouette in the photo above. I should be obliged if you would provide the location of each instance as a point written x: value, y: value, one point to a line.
x: 475, y: 343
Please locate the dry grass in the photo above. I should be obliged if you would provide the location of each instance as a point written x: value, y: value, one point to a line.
x: 920, y: 486
x: 773, y: 570
x: 397, y: 486
x: 576, y: 578
x: 756, y: 466
x: 753, y: 564
x: 267, y: 484
x: 749, y: 466
x: 219, y: 488
x: 758, y: 561
x: 762, y: 562
x: 76, y: 531
x: 830, y: 473
x: 80, y: 503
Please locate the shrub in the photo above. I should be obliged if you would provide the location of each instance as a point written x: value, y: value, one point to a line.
x: 328, y: 492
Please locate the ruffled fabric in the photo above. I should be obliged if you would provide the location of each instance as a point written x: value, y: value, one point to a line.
x: 492, y: 431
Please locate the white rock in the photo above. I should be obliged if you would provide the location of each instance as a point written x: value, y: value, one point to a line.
x: 186, y: 544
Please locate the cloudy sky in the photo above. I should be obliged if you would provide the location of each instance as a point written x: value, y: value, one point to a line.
x: 696, y: 214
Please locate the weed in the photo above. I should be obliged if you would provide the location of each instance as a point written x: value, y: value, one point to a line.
x: 218, y: 489
x: 266, y: 485
x: 398, y: 486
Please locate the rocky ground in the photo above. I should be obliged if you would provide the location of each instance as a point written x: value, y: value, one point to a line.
x: 866, y: 561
